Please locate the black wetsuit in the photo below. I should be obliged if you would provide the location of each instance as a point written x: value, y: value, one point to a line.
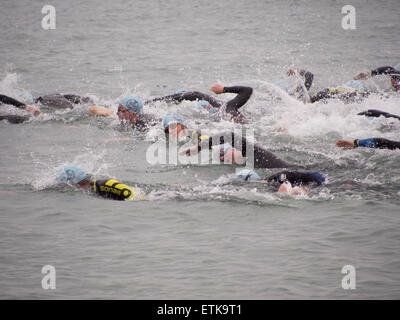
x: 62, y: 101
x: 377, y: 114
x: 340, y: 93
x: 13, y: 118
x: 232, y: 106
x: 297, y: 178
x: 387, y: 70
x: 262, y: 158
x: 380, y: 143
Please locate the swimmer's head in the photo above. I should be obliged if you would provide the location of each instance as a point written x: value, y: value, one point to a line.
x: 175, y: 125
x: 71, y: 174
x: 247, y: 175
x: 132, y: 104
x: 395, y: 80
x: 204, y: 104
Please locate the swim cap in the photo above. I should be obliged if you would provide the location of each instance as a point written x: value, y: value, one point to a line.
x: 247, y: 175
x: 397, y: 67
x: 71, y: 174
x: 355, y: 84
x: 173, y: 118
x: 206, y: 105
x: 282, y: 84
x: 132, y: 104
x: 180, y: 91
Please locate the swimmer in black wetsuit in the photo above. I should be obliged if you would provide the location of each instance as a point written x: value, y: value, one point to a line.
x: 392, y: 72
x: 379, y: 143
x: 377, y: 113
x: 231, y: 107
x: 359, y: 93
x: 20, y: 105
x: 223, y: 146
x: 106, y: 188
x: 291, y: 182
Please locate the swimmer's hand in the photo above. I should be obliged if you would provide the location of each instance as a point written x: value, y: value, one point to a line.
x: 99, y: 111
x: 189, y: 151
x: 33, y: 110
x: 217, y: 88
x: 345, y: 144
x: 294, y: 191
x: 363, y: 75
x: 291, y: 72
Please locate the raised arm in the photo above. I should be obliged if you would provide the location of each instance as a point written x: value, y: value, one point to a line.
x: 243, y: 95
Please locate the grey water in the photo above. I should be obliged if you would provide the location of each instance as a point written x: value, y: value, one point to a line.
x: 198, y: 234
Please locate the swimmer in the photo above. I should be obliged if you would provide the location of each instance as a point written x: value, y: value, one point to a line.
x: 351, y: 91
x: 291, y: 182
x: 392, y: 72
x: 211, y: 104
x: 106, y: 188
x: 20, y: 105
x: 377, y: 113
x: 130, y: 113
x: 222, y: 146
x: 379, y: 143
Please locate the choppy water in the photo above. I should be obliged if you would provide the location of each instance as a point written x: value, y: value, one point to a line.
x: 199, y: 235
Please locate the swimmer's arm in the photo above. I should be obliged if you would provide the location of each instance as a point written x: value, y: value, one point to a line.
x: 366, y: 74
x: 379, y: 143
x: 243, y: 95
x: 383, y: 70
x: 8, y: 100
x: 99, y: 111
x: 307, y: 75
x: 377, y: 113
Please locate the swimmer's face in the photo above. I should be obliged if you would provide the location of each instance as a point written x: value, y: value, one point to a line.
x: 177, y: 130
x: 125, y: 115
x: 395, y: 84
x: 84, y: 184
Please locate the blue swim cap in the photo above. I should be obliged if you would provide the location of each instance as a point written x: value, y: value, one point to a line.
x: 71, y: 174
x: 173, y: 118
x: 247, y: 175
x: 206, y: 105
x: 283, y: 85
x: 180, y: 91
x: 132, y: 104
x: 319, y: 176
x: 355, y: 84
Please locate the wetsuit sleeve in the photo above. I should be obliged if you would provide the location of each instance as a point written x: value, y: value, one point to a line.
x: 297, y: 178
x: 379, y: 143
x: 14, y: 118
x: 189, y: 96
x: 75, y: 99
x: 243, y: 95
x: 377, y: 113
x: 384, y: 70
x: 8, y: 100
x: 112, y: 189
x: 308, y: 78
